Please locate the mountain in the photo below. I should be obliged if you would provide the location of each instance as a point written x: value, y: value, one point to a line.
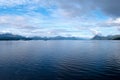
x: 116, y: 37
x: 110, y: 37
x: 98, y: 37
x: 9, y: 36
x: 57, y: 38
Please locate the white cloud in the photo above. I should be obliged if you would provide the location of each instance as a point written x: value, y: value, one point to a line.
x: 15, y: 21
x: 95, y: 31
x: 114, y: 22
x: 12, y: 2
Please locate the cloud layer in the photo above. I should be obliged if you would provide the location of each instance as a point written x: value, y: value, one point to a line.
x: 60, y: 17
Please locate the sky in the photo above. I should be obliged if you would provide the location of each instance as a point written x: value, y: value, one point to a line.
x: 78, y: 18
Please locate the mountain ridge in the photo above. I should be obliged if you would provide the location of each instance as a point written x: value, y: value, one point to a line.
x: 9, y: 36
x: 110, y: 37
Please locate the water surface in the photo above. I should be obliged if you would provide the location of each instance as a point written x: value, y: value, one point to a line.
x: 60, y: 60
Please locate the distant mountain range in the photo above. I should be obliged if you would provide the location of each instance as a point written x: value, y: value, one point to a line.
x: 9, y: 36
x: 111, y: 37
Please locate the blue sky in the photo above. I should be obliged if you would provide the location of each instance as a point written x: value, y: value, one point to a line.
x: 80, y: 18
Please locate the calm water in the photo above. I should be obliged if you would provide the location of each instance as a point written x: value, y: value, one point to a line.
x: 60, y: 60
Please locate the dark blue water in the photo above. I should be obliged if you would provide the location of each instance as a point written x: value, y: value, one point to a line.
x: 60, y: 60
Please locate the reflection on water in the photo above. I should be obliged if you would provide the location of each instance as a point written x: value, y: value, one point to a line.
x: 59, y: 60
